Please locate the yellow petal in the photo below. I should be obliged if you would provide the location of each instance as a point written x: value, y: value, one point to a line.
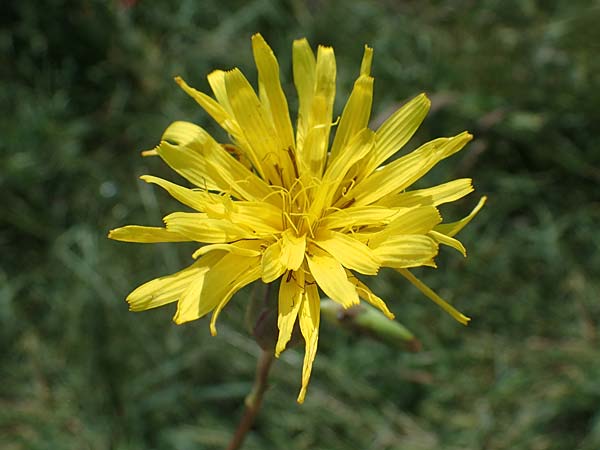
x: 310, y: 314
x: 437, y: 195
x: 272, y: 265
x: 356, y: 149
x: 266, y: 150
x: 197, y: 200
x: 216, y: 80
x: 168, y: 289
x: 189, y: 165
x: 228, y: 276
x: 191, y: 305
x: 394, y: 177
x: 220, y: 114
x: 331, y: 277
x: 151, y: 152
x: 195, y: 155
x: 334, y: 176
x: 137, y: 233
x: 365, y: 65
x: 314, y: 152
x: 397, y: 130
x: 416, y: 220
x: 433, y: 296
x: 349, y: 252
x: 292, y: 250
x: 225, y: 277
x: 451, y: 229
x: 291, y: 291
x: 304, y: 78
x: 406, y: 251
x: 355, y: 116
x: 230, y: 248
x: 325, y: 72
x: 441, y: 238
x: 260, y: 217
x: 268, y: 75
x: 359, y: 216
x: 401, y: 173
x: 188, y: 306
x: 181, y: 148
x: 365, y: 293
x: 285, y: 254
x: 198, y: 227
x: 250, y: 274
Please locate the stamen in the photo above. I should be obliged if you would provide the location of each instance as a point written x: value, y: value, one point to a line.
x: 292, y: 156
x: 276, y: 191
x: 309, y: 225
x: 290, y: 222
x: 349, y: 203
x: 350, y: 186
x: 232, y: 150
x: 279, y: 171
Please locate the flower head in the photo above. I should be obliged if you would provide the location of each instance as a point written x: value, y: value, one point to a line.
x: 275, y: 204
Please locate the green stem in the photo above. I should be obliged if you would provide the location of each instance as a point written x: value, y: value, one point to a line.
x: 253, y: 400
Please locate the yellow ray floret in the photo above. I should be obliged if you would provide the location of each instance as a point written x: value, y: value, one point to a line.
x: 282, y: 205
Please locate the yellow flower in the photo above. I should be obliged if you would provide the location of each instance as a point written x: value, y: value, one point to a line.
x: 278, y: 205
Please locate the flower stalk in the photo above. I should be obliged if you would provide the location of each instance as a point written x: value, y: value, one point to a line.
x: 253, y: 400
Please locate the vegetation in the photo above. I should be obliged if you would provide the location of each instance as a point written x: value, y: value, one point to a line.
x: 88, y: 84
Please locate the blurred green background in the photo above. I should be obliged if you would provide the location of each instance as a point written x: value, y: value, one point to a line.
x: 86, y: 85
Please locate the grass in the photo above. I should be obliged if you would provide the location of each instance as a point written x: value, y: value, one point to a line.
x: 89, y: 84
